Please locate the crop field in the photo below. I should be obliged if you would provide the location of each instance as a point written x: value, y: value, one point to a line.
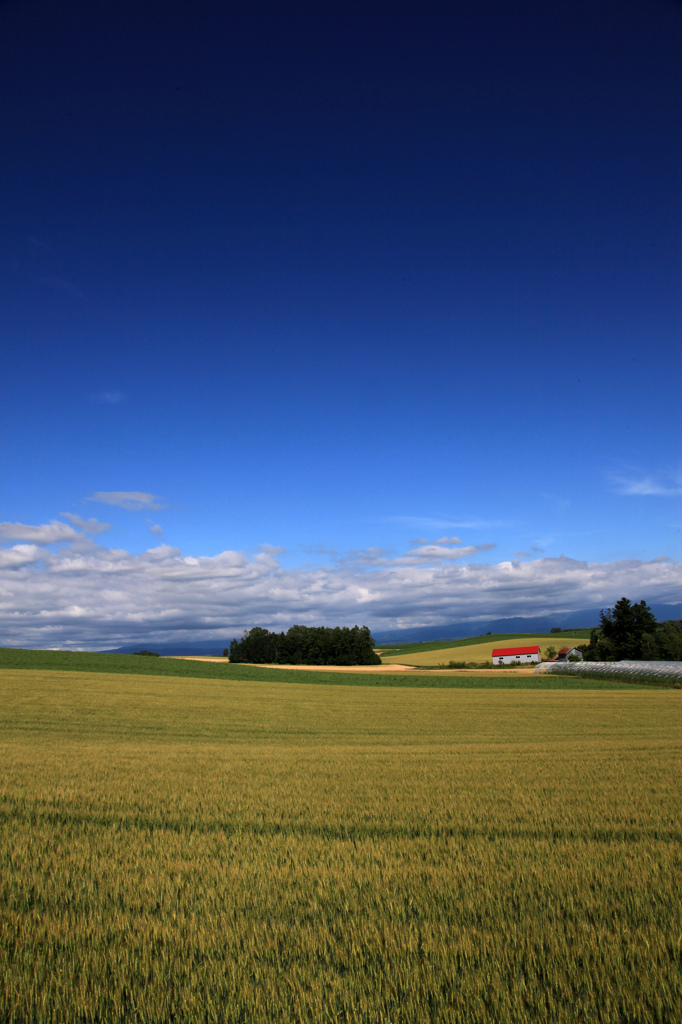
x: 177, y: 849
x: 481, y: 651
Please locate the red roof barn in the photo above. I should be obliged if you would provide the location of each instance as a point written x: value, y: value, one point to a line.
x: 515, y: 655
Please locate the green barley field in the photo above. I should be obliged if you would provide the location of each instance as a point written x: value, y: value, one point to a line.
x: 204, y: 850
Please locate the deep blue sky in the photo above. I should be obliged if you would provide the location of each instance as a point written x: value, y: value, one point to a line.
x: 339, y: 277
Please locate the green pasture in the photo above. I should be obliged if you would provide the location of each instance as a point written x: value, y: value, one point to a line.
x: 140, y: 665
x: 182, y: 849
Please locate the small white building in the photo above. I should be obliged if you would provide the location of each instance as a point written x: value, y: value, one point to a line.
x: 569, y: 652
x: 515, y: 655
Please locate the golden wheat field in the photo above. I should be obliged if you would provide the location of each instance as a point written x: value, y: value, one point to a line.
x: 473, y: 652
x: 204, y: 850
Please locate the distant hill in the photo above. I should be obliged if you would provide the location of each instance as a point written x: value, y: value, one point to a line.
x: 207, y: 648
x: 584, y: 619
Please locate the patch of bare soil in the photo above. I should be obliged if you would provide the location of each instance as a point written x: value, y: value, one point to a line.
x: 379, y: 669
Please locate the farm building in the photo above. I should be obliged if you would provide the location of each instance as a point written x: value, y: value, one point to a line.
x: 569, y: 652
x: 515, y: 655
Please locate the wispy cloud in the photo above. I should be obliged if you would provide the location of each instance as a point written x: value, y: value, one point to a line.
x: 133, y: 501
x: 522, y: 554
x: 109, y: 397
x: 92, y: 526
x: 88, y: 594
x: 155, y: 528
x: 428, y: 553
x: 664, y: 484
x: 39, y: 247
x: 441, y: 540
x: 37, y: 262
x: 445, y: 523
x: 319, y: 549
x: 60, y: 284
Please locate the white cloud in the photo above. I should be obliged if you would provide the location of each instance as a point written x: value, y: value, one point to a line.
x: 522, y: 554
x: 88, y: 595
x: 164, y: 551
x: 19, y: 555
x: 429, y: 553
x: 51, y: 533
x: 155, y: 528
x: 133, y: 501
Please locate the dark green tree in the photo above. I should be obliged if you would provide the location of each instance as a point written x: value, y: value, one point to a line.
x: 669, y: 637
x: 620, y: 636
x: 306, y: 645
x: 665, y: 644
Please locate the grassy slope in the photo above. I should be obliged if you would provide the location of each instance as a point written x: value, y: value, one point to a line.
x: 184, y: 850
x: 481, y: 651
x: 569, y: 636
x: 131, y: 664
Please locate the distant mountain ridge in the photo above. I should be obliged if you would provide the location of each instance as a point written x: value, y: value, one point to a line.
x: 206, y: 648
x: 584, y: 619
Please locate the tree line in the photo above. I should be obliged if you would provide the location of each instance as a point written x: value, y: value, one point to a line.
x: 305, y: 645
x: 630, y: 632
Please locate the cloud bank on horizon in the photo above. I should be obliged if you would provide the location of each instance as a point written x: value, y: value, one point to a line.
x: 60, y: 588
